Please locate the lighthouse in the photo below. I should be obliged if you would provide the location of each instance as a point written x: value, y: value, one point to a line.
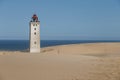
x: 34, y: 35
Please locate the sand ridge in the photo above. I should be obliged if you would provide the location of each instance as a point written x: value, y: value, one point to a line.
x: 94, y: 61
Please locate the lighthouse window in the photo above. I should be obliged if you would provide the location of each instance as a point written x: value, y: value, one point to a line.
x: 34, y: 33
x: 33, y: 24
x: 35, y: 42
x: 34, y: 28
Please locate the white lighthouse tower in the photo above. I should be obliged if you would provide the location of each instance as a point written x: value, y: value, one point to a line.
x: 34, y: 35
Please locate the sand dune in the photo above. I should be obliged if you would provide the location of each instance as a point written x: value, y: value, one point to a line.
x: 95, y: 61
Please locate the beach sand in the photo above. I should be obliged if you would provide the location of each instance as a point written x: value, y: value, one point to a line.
x: 93, y: 61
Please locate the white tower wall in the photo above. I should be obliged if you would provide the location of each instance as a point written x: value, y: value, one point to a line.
x: 34, y: 37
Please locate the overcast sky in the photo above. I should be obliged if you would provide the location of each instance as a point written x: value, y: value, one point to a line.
x: 61, y: 19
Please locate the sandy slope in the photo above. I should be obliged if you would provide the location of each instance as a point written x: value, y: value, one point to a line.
x: 98, y: 61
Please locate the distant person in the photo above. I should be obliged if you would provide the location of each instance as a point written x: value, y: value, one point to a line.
x: 35, y: 18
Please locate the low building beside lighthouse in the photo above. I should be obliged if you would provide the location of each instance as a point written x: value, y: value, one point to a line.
x: 34, y: 35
